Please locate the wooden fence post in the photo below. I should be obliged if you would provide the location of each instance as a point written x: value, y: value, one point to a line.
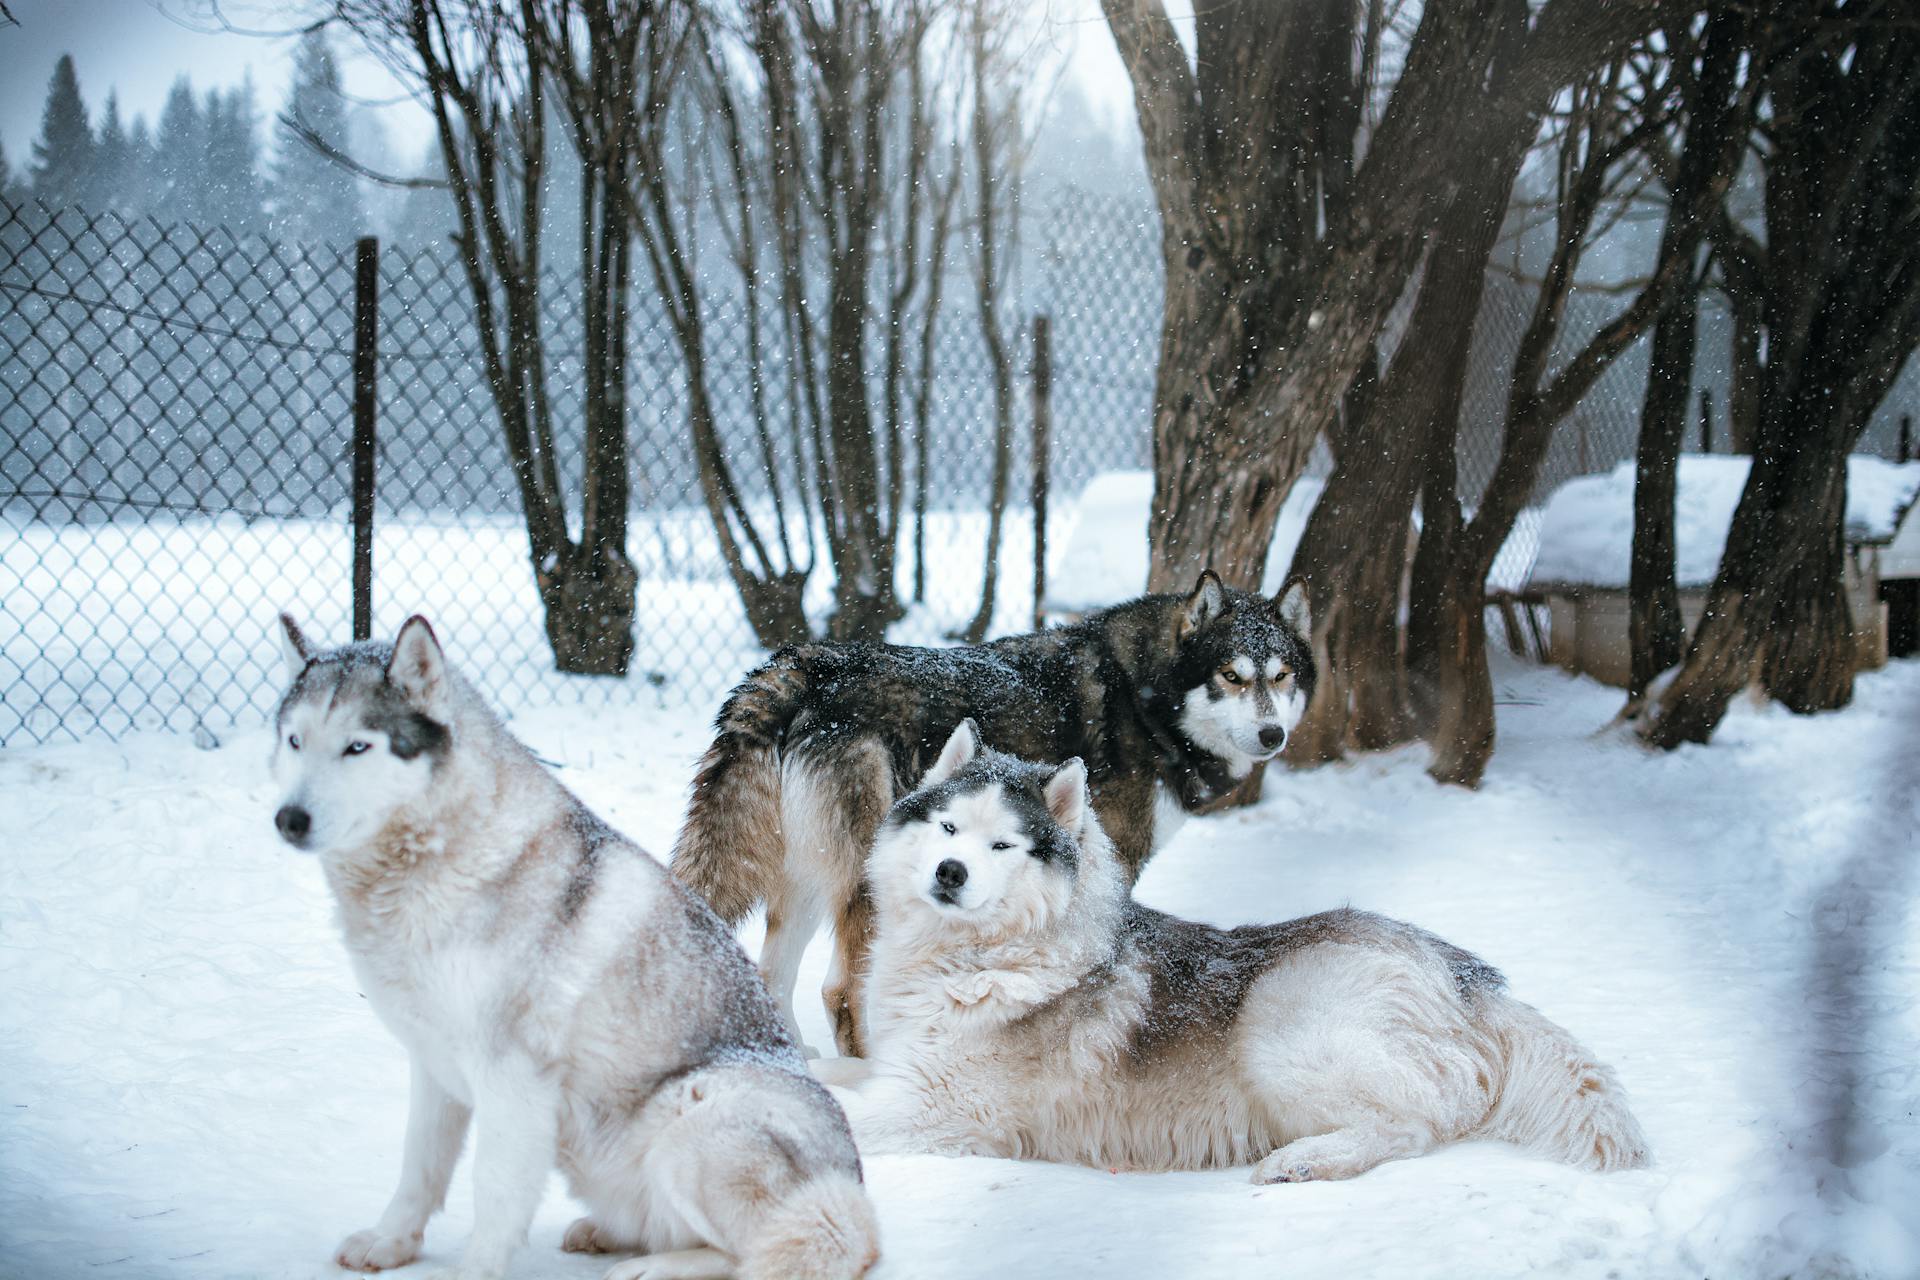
x: 1042, y: 459
x: 366, y: 332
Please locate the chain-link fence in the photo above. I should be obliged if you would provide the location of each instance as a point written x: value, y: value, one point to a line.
x: 175, y: 428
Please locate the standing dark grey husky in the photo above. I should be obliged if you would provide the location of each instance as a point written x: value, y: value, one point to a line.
x: 1020, y: 1003
x: 1169, y: 699
x: 555, y: 988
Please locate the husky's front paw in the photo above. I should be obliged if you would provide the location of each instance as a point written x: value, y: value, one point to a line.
x: 586, y: 1236
x: 371, y: 1251
x: 1325, y: 1157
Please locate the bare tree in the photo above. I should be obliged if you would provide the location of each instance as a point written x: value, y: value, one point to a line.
x: 1353, y: 551
x: 1283, y: 254
x: 836, y: 218
x: 998, y: 76
x: 1381, y: 688
x: 1834, y: 284
x: 479, y: 66
x: 1712, y: 105
x: 1449, y: 679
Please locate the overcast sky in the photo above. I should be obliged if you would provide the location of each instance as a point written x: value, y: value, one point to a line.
x: 139, y: 47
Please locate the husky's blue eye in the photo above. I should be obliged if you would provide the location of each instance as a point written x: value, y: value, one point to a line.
x: 293, y: 740
x: 357, y: 748
x: 949, y: 828
x: 1001, y: 844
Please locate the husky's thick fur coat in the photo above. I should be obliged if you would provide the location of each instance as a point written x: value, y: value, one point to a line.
x: 1021, y: 1004
x: 556, y: 989
x: 1170, y: 700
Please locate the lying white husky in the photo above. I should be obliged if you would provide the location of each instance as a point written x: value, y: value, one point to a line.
x: 1021, y: 1004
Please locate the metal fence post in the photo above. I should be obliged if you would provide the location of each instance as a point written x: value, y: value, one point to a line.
x: 366, y: 332
x: 1042, y: 469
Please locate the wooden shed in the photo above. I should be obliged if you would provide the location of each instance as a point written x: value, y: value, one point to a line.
x: 1586, y: 541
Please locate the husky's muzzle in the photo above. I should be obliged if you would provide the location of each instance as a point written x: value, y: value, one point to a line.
x: 294, y: 824
x: 948, y: 878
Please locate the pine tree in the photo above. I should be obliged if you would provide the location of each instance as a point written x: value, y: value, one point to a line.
x: 314, y: 198
x: 115, y: 180
x: 63, y: 154
x: 236, y: 194
x: 179, y: 154
x: 140, y: 166
x: 6, y: 177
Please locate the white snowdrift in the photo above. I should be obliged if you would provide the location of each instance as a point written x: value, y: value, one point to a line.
x: 1587, y: 536
x: 1105, y: 560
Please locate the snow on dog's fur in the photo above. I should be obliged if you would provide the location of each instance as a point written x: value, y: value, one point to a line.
x: 1023, y: 1005
x: 556, y: 991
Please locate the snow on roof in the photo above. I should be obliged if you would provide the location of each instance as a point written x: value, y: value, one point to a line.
x: 1105, y: 560
x: 1586, y: 538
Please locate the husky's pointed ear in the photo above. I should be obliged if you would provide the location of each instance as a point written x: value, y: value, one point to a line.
x: 294, y: 647
x: 963, y: 744
x: 1208, y: 601
x: 1293, y: 606
x: 1067, y: 794
x: 418, y: 668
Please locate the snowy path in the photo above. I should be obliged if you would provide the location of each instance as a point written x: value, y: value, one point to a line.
x: 189, y: 1085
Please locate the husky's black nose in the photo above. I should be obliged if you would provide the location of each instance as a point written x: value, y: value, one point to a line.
x: 1273, y: 737
x: 293, y: 823
x: 950, y: 874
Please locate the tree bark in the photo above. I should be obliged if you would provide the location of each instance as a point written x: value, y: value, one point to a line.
x: 1836, y: 284
x: 1777, y: 612
x: 1716, y: 122
x: 1601, y: 134
x: 1353, y: 553
x: 472, y: 61
x: 1655, y: 635
x: 1273, y: 299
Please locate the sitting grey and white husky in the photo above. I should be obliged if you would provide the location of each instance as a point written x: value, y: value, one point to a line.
x: 1021, y: 1004
x: 555, y: 988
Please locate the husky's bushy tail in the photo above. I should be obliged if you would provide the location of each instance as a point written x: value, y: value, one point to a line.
x: 825, y: 1230
x: 1557, y: 1099
x: 731, y: 849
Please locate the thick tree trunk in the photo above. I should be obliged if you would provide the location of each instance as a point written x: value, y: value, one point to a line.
x: 1427, y: 590
x: 1210, y: 511
x: 1353, y: 552
x: 1743, y: 403
x: 1716, y: 122
x: 589, y: 604
x: 1282, y: 259
x: 1836, y: 282
x: 1777, y: 612
x: 1655, y: 635
x: 1463, y: 687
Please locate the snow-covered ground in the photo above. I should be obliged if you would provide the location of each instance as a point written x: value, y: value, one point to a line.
x: 166, y: 623
x: 190, y: 1087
